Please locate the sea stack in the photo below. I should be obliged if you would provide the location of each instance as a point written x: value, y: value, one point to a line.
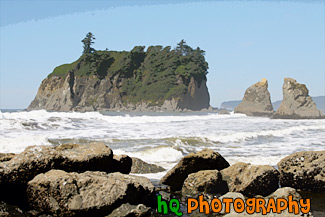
x: 296, y: 103
x: 256, y: 101
x: 156, y: 79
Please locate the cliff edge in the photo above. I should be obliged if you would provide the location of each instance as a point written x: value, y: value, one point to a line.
x: 158, y: 79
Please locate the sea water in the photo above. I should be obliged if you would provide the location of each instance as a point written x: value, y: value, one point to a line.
x: 164, y: 138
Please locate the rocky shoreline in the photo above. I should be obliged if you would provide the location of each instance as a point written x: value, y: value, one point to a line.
x: 89, y: 180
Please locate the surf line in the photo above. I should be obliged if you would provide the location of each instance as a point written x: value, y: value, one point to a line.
x: 250, y: 205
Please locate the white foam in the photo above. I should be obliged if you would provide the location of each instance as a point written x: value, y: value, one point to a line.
x: 164, y: 139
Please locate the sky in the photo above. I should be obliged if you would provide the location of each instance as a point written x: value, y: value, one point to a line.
x: 244, y: 41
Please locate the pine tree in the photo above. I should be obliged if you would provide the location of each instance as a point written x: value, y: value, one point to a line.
x: 88, y: 41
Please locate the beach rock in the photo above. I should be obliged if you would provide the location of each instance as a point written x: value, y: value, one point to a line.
x: 95, y: 156
x: 204, y: 181
x: 141, y: 167
x: 251, y: 180
x: 296, y: 103
x: 128, y: 210
x: 32, y: 161
x: 122, y: 164
x: 234, y: 196
x: 303, y: 170
x: 223, y: 112
x: 193, y: 162
x: 87, y: 194
x: 285, y: 192
x: 7, y: 210
x: 256, y: 101
x: 6, y: 156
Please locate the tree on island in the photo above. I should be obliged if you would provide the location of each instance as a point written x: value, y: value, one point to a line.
x: 183, y: 49
x: 88, y: 41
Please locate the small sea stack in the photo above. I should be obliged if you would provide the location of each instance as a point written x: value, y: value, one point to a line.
x: 256, y: 101
x: 296, y: 103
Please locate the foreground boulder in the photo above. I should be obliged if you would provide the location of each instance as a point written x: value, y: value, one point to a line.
x: 87, y: 194
x: 204, y: 181
x: 69, y: 157
x: 251, y: 180
x: 32, y: 161
x: 193, y: 162
x: 296, y: 103
x: 256, y: 101
x: 303, y: 170
x: 15, y: 174
x: 6, y: 156
x: 80, y: 158
x: 141, y: 167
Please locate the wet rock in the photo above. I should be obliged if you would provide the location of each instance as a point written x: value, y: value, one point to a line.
x: 88, y: 193
x: 256, y: 101
x: 251, y: 180
x: 6, y: 156
x: 303, y: 170
x: 141, y: 167
x: 296, y: 103
x: 204, y: 181
x: 193, y: 162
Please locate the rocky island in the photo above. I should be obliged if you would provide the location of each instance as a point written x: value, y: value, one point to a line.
x: 256, y: 101
x: 156, y: 79
x: 296, y: 103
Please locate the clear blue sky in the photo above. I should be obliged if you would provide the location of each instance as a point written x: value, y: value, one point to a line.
x: 244, y: 40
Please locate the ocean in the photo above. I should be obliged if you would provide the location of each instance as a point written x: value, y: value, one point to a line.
x: 164, y: 138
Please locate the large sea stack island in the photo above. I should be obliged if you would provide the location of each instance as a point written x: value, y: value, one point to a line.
x: 156, y: 79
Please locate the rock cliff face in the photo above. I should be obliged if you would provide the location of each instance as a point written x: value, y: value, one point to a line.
x: 296, y: 103
x: 127, y: 81
x: 256, y: 101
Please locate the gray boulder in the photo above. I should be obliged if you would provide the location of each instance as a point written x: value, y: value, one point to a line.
x: 256, y: 101
x: 251, y: 180
x: 141, y: 167
x: 193, y: 162
x: 86, y: 194
x: 303, y: 170
x: 296, y: 103
x: 204, y: 181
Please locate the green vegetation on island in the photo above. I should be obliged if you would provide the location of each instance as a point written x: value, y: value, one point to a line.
x: 153, y: 75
